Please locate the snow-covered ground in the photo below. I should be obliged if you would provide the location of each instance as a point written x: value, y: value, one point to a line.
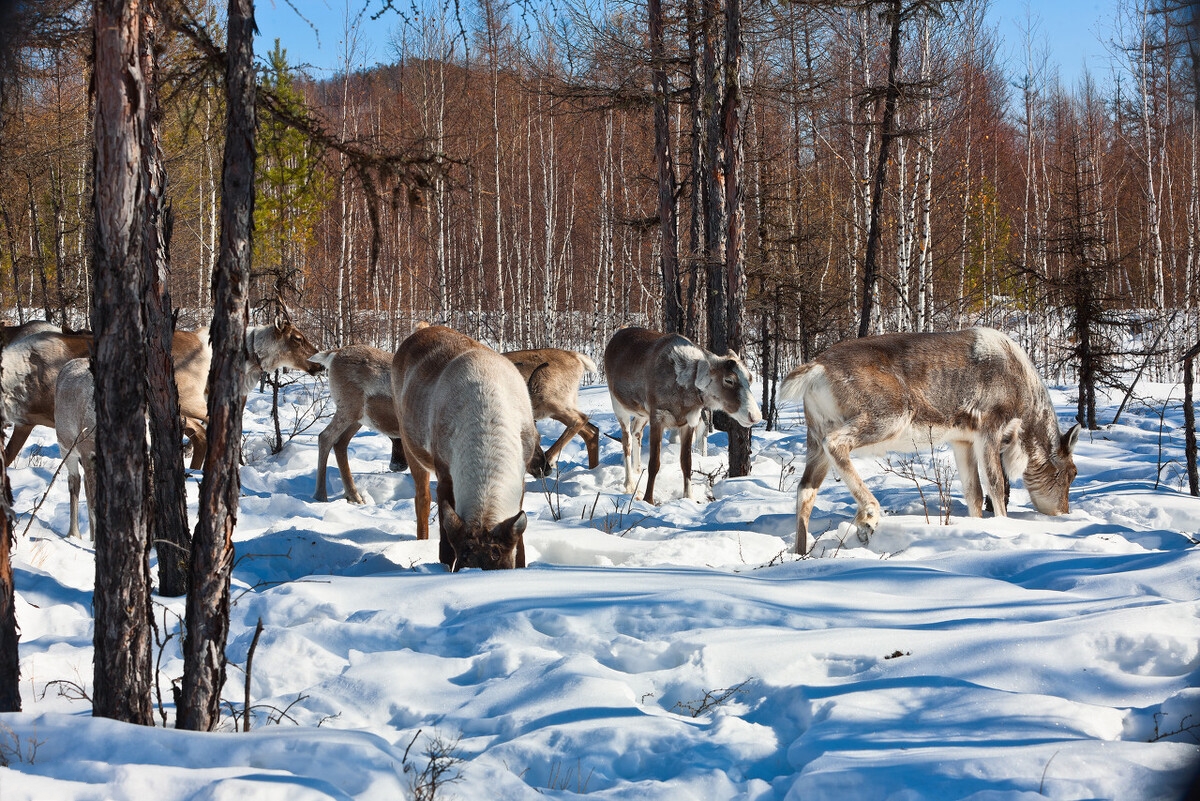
x: 670, y: 652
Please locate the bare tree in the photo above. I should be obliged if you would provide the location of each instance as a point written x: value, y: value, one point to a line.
x: 169, y: 523
x: 122, y: 666
x: 207, y: 616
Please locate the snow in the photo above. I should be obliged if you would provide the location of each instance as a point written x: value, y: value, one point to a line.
x: 677, y: 651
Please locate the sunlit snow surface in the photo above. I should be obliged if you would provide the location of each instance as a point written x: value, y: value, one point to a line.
x: 670, y: 652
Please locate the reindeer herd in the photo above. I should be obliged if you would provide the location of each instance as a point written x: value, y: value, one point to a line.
x: 463, y: 413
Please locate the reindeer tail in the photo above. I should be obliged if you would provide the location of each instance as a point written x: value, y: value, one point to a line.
x: 588, y: 364
x: 796, y: 384
x: 324, y: 358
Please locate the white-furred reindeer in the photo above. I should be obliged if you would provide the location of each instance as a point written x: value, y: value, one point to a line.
x: 465, y: 416
x: 667, y: 380
x: 552, y: 376
x: 974, y: 389
x: 75, y: 425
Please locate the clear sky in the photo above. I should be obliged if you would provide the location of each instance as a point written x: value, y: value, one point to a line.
x: 1073, y: 31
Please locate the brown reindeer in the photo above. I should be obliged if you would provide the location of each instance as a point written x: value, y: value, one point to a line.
x: 552, y: 376
x: 975, y: 389
x: 465, y: 416
x: 666, y: 380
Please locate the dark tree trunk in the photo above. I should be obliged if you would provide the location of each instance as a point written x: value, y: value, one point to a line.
x: 697, y: 242
x: 886, y: 135
x: 1189, y: 421
x: 715, y: 219
x: 10, y: 665
x: 664, y: 159
x: 10, y: 662
x: 735, y: 217
x: 169, y: 525
x: 212, y: 549
x: 121, y: 603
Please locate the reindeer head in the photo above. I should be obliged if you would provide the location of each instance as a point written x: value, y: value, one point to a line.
x: 724, y: 383
x: 475, y: 546
x: 288, y: 347
x: 1048, y: 477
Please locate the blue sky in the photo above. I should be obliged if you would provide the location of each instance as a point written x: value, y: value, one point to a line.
x: 1073, y: 31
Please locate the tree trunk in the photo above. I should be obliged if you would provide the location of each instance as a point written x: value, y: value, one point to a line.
x: 212, y: 550
x: 121, y: 603
x: 735, y: 216
x: 886, y: 135
x: 169, y: 524
x: 664, y: 159
x: 10, y: 661
x: 1189, y: 421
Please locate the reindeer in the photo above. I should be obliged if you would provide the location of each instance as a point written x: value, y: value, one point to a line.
x: 975, y: 389
x: 465, y: 416
x: 552, y: 376
x: 666, y: 380
x: 268, y: 347
x: 360, y: 383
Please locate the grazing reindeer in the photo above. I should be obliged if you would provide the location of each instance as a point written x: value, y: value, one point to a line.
x: 552, y: 376
x: 666, y: 380
x: 975, y: 389
x: 360, y: 383
x: 269, y: 348
x: 465, y: 415
x: 75, y: 424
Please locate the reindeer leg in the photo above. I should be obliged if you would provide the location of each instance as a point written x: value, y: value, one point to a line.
x: 686, y: 433
x: 199, y: 445
x: 656, y: 433
x: 398, y: 463
x: 15, y: 443
x: 326, y: 440
x: 839, y: 445
x: 816, y: 466
x: 421, y: 500
x: 591, y: 437
x: 574, y: 426
x: 73, y: 490
x: 343, y: 462
x: 988, y: 454
x: 445, y: 493
x: 968, y: 475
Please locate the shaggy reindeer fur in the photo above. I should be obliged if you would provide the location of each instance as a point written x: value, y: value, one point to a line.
x: 975, y: 389
x: 552, y: 376
x: 465, y: 416
x: 666, y: 380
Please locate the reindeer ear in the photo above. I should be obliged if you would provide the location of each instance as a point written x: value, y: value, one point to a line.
x: 510, y: 531
x: 686, y: 368
x: 1071, y: 438
x: 451, y: 523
